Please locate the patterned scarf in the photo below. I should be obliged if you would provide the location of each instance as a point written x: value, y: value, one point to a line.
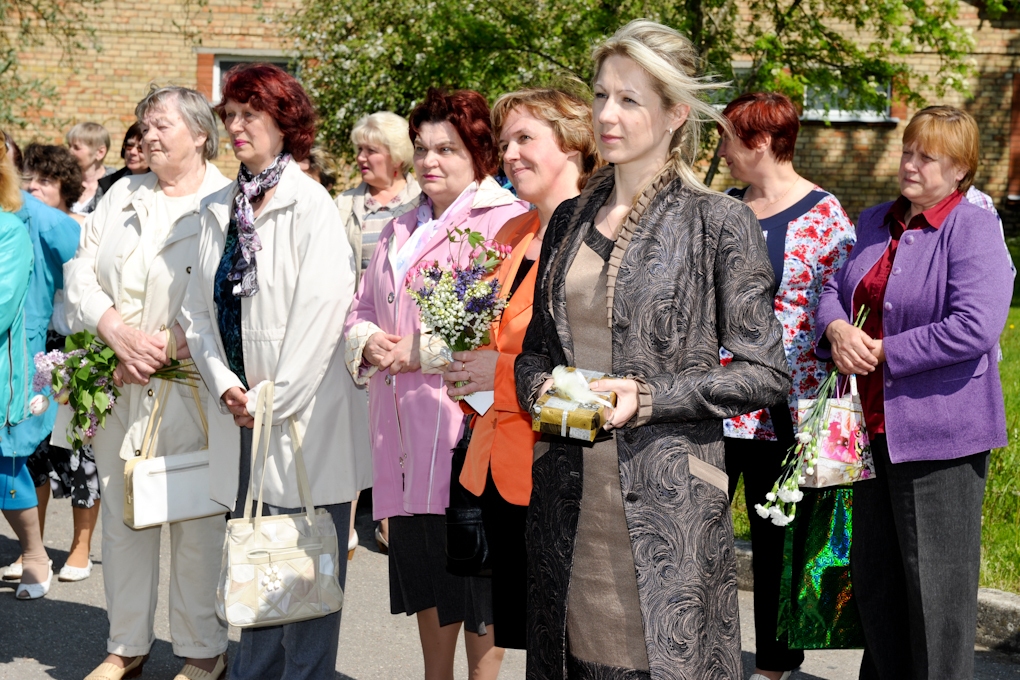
x: 244, y: 270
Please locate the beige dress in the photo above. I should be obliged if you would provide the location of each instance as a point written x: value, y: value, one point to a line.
x: 604, y: 623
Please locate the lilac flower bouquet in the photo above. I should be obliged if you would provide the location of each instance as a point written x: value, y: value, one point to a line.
x: 460, y: 303
x: 82, y: 377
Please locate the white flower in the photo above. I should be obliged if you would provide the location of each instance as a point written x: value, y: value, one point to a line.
x: 804, y: 437
x: 762, y: 511
x: 38, y: 405
x: 770, y: 496
x: 810, y: 470
x: 781, y: 520
x: 802, y: 480
x: 790, y: 496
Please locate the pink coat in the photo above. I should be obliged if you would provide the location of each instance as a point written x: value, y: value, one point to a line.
x: 414, y: 425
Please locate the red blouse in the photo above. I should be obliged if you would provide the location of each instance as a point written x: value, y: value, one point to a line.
x: 870, y: 292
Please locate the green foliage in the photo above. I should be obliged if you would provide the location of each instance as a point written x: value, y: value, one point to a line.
x: 65, y: 24
x: 1000, y: 526
x: 361, y: 57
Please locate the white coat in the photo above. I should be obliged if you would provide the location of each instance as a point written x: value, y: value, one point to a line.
x: 292, y: 335
x: 92, y: 284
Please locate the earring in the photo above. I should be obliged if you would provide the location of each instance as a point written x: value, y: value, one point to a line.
x: 671, y: 132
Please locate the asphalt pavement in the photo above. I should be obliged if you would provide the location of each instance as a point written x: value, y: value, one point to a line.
x: 63, y: 636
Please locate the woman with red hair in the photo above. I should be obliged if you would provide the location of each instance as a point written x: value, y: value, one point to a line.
x: 414, y: 423
x: 809, y: 237
x: 274, y: 282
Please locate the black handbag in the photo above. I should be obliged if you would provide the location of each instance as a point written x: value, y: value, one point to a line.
x: 467, y: 550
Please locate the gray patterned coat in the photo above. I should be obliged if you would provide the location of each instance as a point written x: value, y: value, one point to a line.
x: 691, y: 273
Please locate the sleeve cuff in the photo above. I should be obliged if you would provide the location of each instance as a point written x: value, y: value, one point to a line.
x: 644, y: 412
x: 354, y: 351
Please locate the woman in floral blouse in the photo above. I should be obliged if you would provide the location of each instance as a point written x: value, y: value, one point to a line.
x: 809, y: 237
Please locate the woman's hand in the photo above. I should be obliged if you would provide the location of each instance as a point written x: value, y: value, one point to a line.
x: 477, y: 369
x: 853, y: 350
x: 140, y: 354
x: 182, y: 342
x: 235, y: 400
x: 406, y: 356
x: 626, y: 400
x: 379, y: 350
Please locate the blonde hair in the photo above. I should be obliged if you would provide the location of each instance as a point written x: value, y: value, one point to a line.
x: 947, y: 131
x: 672, y: 63
x: 387, y: 130
x: 569, y: 117
x: 92, y: 135
x: 10, y: 182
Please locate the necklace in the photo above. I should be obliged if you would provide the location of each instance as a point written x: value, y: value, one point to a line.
x: 772, y: 203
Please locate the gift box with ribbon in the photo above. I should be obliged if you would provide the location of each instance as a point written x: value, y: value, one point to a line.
x: 557, y: 413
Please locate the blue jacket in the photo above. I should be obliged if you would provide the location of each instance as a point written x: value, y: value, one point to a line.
x: 15, y: 270
x: 54, y: 237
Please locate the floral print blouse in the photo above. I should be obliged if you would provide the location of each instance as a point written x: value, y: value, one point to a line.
x: 818, y: 243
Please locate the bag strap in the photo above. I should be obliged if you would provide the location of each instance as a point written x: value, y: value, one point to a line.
x: 155, y: 420
x: 850, y: 380
x: 261, y: 437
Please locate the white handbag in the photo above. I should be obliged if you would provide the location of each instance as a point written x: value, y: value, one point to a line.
x: 172, y: 488
x: 278, y: 569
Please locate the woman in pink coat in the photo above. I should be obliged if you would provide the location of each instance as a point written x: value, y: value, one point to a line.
x: 414, y: 424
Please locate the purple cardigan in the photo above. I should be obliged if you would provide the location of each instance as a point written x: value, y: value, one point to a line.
x: 944, y: 310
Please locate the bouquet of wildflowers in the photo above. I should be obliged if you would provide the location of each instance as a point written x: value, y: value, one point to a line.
x: 82, y: 377
x: 842, y: 439
x: 461, y: 302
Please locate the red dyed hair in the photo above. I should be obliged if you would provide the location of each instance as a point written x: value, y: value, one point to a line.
x: 268, y: 88
x: 468, y: 113
x: 757, y: 114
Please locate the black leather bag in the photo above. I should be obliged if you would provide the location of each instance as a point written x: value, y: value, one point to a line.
x: 467, y: 550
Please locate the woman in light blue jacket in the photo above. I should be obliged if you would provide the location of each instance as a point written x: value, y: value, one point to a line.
x: 17, y: 493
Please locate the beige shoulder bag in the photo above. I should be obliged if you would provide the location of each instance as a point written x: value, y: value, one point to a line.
x: 171, y: 488
x: 278, y: 569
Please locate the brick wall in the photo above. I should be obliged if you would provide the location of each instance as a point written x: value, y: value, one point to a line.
x: 141, y: 45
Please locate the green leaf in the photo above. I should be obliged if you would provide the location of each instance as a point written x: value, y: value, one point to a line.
x: 102, y: 402
x: 85, y: 399
x: 107, y: 353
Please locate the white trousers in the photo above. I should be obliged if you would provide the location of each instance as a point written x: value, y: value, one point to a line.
x: 131, y: 568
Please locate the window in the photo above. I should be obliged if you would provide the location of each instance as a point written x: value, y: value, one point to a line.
x: 819, y: 105
x: 213, y: 66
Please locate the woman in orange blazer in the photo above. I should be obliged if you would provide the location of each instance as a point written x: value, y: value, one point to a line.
x: 548, y: 150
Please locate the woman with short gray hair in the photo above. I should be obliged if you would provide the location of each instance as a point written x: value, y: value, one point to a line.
x: 126, y: 284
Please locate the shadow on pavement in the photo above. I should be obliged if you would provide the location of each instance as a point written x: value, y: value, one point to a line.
x: 747, y: 658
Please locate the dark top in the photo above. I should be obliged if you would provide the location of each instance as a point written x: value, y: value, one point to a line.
x: 522, y: 271
x: 870, y: 293
x: 228, y: 305
x: 109, y: 180
x: 774, y: 227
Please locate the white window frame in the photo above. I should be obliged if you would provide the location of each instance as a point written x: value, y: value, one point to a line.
x: 850, y: 116
x: 278, y: 57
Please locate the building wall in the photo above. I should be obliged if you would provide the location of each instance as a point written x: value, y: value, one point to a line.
x: 141, y: 45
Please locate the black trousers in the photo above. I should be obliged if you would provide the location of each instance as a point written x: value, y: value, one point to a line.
x: 915, y: 564
x: 504, y: 525
x: 761, y: 463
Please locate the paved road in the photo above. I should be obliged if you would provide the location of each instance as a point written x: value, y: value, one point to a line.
x: 63, y: 636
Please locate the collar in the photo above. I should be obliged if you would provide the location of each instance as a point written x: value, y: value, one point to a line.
x: 932, y: 217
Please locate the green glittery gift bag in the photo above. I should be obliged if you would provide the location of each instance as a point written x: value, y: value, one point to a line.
x: 817, y: 609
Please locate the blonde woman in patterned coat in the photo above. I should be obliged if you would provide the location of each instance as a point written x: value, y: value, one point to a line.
x: 809, y: 237
x: 645, y: 275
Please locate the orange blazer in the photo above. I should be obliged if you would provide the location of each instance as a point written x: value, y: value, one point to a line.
x: 503, y: 438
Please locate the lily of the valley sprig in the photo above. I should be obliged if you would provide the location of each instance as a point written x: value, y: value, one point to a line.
x: 802, y: 457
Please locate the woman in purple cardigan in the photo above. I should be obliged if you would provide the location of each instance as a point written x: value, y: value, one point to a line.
x: 931, y: 269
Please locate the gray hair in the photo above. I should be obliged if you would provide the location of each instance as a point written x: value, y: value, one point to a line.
x: 194, y: 109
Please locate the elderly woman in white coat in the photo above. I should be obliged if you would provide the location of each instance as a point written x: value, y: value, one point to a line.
x: 127, y: 283
x: 275, y: 280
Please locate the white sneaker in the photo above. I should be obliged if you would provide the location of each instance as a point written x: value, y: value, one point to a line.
x: 69, y: 573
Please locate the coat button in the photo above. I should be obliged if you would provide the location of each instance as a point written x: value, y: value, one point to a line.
x: 188, y: 269
x: 150, y: 393
x: 888, y: 383
x: 163, y: 327
x: 138, y: 452
x: 910, y: 239
x: 887, y: 306
x: 388, y: 380
x: 896, y: 270
x: 632, y: 497
x: 389, y: 298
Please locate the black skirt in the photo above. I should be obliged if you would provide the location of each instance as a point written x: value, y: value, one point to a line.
x: 73, y: 477
x: 419, y: 580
